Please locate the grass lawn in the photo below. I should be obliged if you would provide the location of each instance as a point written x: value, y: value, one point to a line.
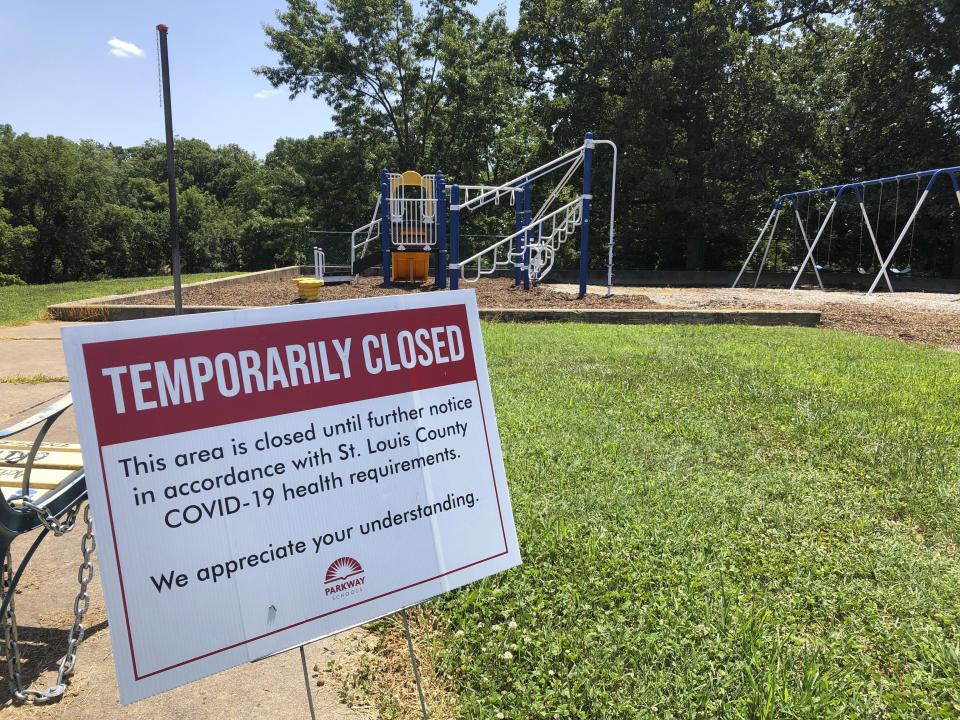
x: 717, y: 522
x: 22, y: 303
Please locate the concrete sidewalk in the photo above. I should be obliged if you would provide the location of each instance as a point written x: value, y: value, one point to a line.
x: 26, y: 351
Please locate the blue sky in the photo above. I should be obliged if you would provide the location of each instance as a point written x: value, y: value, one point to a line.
x: 62, y: 76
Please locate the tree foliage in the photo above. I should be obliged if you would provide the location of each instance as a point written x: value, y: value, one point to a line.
x: 716, y: 107
x: 435, y: 89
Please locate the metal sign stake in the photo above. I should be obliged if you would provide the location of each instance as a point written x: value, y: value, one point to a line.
x: 413, y: 659
x: 306, y: 680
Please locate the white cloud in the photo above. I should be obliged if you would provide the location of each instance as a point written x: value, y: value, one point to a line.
x: 121, y: 48
x: 263, y: 94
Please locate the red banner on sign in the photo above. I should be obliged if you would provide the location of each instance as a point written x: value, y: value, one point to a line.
x: 147, y: 387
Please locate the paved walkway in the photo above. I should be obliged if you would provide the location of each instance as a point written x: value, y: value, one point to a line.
x: 27, y: 351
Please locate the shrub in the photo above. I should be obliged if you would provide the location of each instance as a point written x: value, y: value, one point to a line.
x: 6, y: 279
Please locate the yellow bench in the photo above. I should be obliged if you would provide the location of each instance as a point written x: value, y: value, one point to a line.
x: 53, y: 464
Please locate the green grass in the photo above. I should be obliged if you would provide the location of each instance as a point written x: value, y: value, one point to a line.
x: 717, y: 522
x: 32, y: 379
x: 22, y: 303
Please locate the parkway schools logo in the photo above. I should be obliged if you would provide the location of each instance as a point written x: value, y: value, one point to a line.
x: 344, y: 577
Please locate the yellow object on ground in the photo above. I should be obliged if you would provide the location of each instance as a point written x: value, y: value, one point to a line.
x: 308, y: 288
x: 412, y: 266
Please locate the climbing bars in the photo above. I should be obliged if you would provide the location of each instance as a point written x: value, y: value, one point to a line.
x: 419, y: 222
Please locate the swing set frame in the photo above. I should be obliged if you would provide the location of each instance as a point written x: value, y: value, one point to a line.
x: 858, y: 189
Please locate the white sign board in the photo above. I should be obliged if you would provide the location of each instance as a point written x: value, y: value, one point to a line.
x: 265, y: 477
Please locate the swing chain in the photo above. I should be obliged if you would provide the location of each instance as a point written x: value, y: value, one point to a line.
x: 11, y: 644
x: 88, y: 543
x: 45, y: 518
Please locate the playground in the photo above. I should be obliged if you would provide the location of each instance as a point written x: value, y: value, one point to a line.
x: 721, y: 523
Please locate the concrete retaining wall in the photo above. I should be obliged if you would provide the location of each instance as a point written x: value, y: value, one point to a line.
x: 104, y: 307
x: 803, y: 318
x: 618, y: 317
x: 118, y: 307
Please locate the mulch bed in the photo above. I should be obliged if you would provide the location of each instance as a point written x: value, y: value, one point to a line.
x: 942, y: 330
x: 919, y: 328
x: 491, y: 293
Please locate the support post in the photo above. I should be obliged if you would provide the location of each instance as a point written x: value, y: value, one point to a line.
x: 171, y: 171
x: 806, y: 241
x: 518, y: 240
x: 873, y: 237
x: 440, y: 218
x: 527, y: 236
x: 813, y: 246
x: 385, y: 225
x: 585, y: 212
x: 903, y: 234
x: 763, y: 231
x: 766, y: 249
x: 454, y: 237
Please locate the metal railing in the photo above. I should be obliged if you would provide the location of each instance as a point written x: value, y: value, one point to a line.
x: 368, y: 232
x: 562, y: 222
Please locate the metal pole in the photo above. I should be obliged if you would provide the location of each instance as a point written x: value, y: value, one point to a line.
x: 306, y: 679
x: 903, y: 234
x: 813, y: 246
x: 413, y: 659
x: 527, y: 236
x: 440, y: 221
x: 386, y: 213
x: 518, y: 241
x: 613, y: 196
x: 803, y: 234
x: 585, y: 218
x: 763, y: 232
x: 454, y: 237
x: 763, y: 260
x: 171, y: 170
x: 873, y: 239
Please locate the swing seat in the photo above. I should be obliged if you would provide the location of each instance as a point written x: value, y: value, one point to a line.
x: 796, y: 268
x: 897, y: 271
x: 862, y: 270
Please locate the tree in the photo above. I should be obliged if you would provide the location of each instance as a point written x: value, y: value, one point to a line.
x: 663, y: 80
x: 57, y: 187
x: 902, y: 107
x: 16, y: 245
x: 438, y: 87
x: 271, y: 233
x: 338, y: 178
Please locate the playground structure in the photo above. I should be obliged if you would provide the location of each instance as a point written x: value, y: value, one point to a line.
x: 417, y: 216
x: 43, y: 486
x: 859, y: 189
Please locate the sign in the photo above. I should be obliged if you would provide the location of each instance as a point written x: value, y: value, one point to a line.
x: 266, y: 477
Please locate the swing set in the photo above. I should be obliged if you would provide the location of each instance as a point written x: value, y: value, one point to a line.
x: 824, y: 226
